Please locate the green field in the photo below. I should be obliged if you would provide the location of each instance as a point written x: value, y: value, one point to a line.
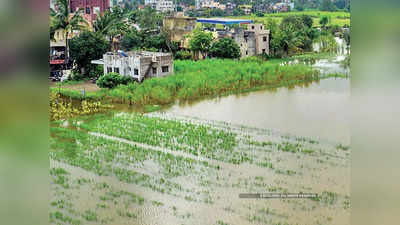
x: 210, y: 77
x: 336, y: 18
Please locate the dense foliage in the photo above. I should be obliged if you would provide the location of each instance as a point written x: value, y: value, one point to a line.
x: 200, y: 42
x: 86, y: 47
x: 294, y: 34
x: 225, y: 48
x: 63, y: 19
x: 112, y: 80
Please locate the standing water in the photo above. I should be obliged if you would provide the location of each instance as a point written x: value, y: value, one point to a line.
x: 317, y: 110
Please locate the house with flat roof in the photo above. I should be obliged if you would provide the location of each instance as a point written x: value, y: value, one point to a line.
x: 252, y: 40
x: 138, y: 64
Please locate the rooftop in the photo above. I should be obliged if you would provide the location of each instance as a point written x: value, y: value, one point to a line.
x: 139, y: 53
x: 224, y: 21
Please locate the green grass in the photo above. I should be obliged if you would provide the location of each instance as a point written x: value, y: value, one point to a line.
x: 211, y: 77
x: 336, y: 18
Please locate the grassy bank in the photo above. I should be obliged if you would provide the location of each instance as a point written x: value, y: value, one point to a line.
x: 193, y: 80
x: 336, y: 18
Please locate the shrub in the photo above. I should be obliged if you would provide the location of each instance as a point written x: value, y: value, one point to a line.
x: 96, y: 71
x: 112, y: 80
x: 182, y: 55
x: 260, y: 14
x: 225, y: 48
x: 76, y: 76
x: 125, y: 80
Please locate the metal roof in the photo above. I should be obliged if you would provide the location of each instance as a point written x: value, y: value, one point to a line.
x: 224, y: 21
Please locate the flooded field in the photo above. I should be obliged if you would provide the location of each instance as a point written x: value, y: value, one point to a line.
x: 161, y: 168
x: 318, y: 110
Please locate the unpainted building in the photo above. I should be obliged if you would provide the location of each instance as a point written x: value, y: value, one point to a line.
x: 252, y: 41
x: 261, y: 37
x: 178, y: 28
x: 140, y: 64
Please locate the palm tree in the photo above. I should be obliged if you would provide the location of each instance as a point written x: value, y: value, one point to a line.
x: 104, y: 23
x: 112, y: 23
x: 61, y: 18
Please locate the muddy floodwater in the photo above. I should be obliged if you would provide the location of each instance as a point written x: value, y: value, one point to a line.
x: 318, y: 110
x: 162, y: 168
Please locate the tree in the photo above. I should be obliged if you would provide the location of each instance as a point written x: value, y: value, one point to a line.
x: 260, y: 14
x: 225, y: 48
x: 238, y: 12
x: 217, y: 12
x: 149, y: 19
x: 307, y: 20
x: 63, y: 19
x: 299, y: 7
x: 87, y: 47
x: 324, y: 20
x: 294, y: 34
x: 200, y: 42
x: 103, y: 23
x: 131, y: 40
x: 327, y: 5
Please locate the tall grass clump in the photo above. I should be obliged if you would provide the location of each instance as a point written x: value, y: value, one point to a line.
x: 212, y: 77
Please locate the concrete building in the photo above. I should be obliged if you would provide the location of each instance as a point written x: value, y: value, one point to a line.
x: 211, y: 4
x: 161, y: 5
x: 261, y: 37
x: 90, y: 7
x: 179, y: 28
x: 246, y: 9
x: 229, y: 7
x: 253, y: 40
x: 284, y: 6
x: 138, y: 65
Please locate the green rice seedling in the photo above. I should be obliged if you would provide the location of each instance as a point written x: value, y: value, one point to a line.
x: 157, y: 203
x: 342, y: 147
x: 89, y: 215
x: 59, y: 216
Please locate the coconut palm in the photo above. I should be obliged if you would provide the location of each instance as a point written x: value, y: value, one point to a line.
x: 62, y: 18
x: 104, y: 23
x: 112, y: 23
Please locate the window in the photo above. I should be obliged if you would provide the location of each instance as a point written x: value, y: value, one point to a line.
x: 116, y: 70
x: 109, y: 69
x: 247, y: 52
x: 96, y: 10
x: 87, y: 10
x: 264, y: 39
x: 136, y: 71
x: 164, y: 69
x: 263, y: 51
x: 261, y: 27
x: 154, y: 70
x: 252, y: 27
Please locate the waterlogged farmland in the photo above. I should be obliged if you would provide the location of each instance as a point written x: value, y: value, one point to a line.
x: 160, y: 168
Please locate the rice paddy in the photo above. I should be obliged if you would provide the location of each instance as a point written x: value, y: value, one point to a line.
x: 160, y: 168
